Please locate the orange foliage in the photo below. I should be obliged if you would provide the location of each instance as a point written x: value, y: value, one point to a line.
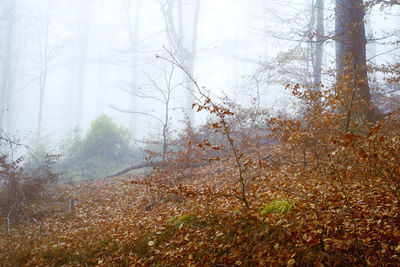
x: 340, y: 174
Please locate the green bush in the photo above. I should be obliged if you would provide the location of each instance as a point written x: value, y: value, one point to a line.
x: 104, y: 149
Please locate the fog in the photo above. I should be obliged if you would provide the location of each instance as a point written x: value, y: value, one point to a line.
x: 199, y: 132
x: 64, y: 63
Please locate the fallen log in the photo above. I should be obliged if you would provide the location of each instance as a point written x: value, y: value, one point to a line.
x: 134, y: 167
x: 149, y: 164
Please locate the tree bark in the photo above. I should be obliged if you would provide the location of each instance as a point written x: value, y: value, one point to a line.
x: 7, y: 74
x: 184, y: 54
x: 319, y: 46
x: 84, y: 13
x: 133, y: 167
x: 44, y: 64
x: 133, y: 31
x: 351, y: 63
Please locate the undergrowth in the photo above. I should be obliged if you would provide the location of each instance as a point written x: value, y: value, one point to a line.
x: 324, y: 191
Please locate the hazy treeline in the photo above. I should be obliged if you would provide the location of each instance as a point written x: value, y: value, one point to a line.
x: 65, y: 63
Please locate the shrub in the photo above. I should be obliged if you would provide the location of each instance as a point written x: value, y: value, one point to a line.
x: 104, y: 149
x: 20, y: 188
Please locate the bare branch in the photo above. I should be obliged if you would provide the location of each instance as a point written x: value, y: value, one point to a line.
x: 140, y: 113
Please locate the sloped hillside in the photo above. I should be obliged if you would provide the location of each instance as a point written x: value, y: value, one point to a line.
x: 135, y: 220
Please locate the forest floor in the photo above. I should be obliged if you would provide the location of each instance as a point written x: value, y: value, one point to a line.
x: 147, y: 221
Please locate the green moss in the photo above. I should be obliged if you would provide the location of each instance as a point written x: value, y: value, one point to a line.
x: 67, y: 215
x: 174, y: 225
x: 106, y: 246
x: 310, y: 256
x: 184, y: 219
x: 277, y: 206
x: 60, y: 256
x: 141, y: 248
x: 229, y: 236
x: 223, y: 251
x: 166, y: 234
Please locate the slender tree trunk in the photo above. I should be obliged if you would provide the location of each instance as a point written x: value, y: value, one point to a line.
x: 184, y: 54
x: 351, y: 63
x: 7, y: 79
x: 133, y: 30
x: 166, y: 119
x: 371, y: 45
x: 101, y: 71
x: 165, y: 130
x: 190, y: 93
x: 43, y: 81
x: 319, y: 46
x: 83, y: 33
x: 44, y: 58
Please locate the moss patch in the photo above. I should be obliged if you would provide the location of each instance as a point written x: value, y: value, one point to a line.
x: 184, y: 219
x: 107, y: 246
x: 141, y: 248
x: 277, y: 206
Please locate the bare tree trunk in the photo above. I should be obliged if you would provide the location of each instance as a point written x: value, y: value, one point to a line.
x: 101, y: 71
x: 133, y: 29
x: 190, y: 94
x: 319, y: 46
x: 83, y: 32
x: 351, y: 63
x: 161, y: 94
x: 7, y: 79
x: 371, y: 45
x: 185, y: 55
x: 166, y: 119
x: 44, y: 60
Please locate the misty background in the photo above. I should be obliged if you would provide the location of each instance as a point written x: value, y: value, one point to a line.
x: 66, y: 62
